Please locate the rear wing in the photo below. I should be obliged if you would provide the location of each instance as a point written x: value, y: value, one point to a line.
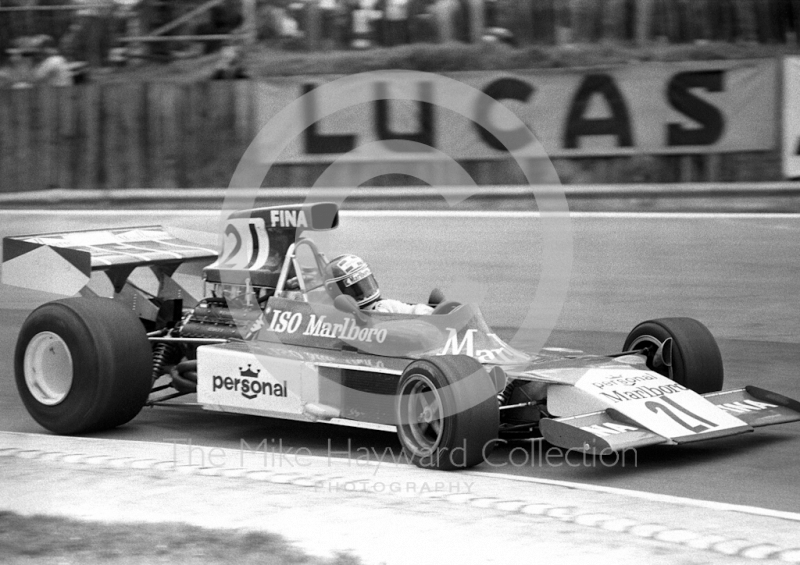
x: 62, y: 263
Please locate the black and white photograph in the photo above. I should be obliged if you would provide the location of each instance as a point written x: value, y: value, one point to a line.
x: 399, y: 282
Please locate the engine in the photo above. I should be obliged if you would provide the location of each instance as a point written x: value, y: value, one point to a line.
x: 214, y: 318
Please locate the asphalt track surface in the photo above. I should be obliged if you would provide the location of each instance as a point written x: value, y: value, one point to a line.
x: 738, y: 274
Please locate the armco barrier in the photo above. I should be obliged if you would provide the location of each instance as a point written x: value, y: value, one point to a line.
x: 781, y: 197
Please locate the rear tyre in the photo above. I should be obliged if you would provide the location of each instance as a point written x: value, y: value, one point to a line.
x: 696, y: 360
x: 447, y: 412
x: 83, y: 365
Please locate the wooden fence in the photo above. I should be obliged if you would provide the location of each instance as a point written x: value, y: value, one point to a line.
x: 123, y: 135
x: 166, y: 135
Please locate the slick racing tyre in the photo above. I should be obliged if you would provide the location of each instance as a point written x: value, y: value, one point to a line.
x: 447, y: 412
x: 83, y: 365
x: 696, y: 360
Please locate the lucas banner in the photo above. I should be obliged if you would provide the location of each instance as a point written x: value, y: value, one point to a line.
x: 791, y: 117
x: 655, y: 108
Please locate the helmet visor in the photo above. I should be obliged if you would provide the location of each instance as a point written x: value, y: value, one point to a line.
x: 363, y: 287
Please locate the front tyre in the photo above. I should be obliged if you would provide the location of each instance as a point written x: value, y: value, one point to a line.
x: 83, y: 365
x: 447, y: 412
x: 696, y: 360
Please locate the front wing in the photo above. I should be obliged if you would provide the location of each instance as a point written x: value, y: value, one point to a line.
x: 610, y: 431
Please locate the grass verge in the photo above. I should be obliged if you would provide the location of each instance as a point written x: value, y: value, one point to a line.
x: 46, y: 539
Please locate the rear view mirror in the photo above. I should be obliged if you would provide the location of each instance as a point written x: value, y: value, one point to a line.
x: 348, y: 305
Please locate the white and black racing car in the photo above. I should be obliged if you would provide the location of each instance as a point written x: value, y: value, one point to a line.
x: 271, y: 338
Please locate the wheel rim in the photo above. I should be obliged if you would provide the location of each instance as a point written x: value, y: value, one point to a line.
x: 421, y: 412
x: 48, y: 368
x: 652, y: 344
x: 644, y: 341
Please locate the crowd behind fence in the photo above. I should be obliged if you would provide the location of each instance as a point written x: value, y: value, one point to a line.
x: 91, y: 32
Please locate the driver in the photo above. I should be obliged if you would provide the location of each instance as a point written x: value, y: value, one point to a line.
x: 352, y: 276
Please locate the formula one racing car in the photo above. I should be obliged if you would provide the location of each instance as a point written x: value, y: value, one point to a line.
x: 274, y: 336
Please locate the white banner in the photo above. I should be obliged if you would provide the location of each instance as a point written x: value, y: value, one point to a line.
x: 791, y: 117
x: 656, y: 108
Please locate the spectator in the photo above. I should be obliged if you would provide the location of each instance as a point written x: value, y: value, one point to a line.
x: 221, y: 19
x: 490, y: 10
x: 461, y: 21
x: 364, y: 18
x: 794, y: 18
x: 278, y: 23
x: 54, y: 69
x: 421, y: 23
x: 230, y: 64
x: 330, y: 16
x: 723, y: 12
x: 444, y: 10
x: 298, y: 12
x: 664, y: 21
x: 20, y: 72
x: 342, y: 24
x: 586, y: 20
x: 746, y: 20
x: 498, y: 16
x: 69, y: 44
x: 395, y: 23
x: 288, y: 26
x: 614, y: 21
x: 499, y: 35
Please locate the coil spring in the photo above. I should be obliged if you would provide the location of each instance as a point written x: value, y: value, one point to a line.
x: 184, y: 376
x: 163, y: 354
x: 505, y: 394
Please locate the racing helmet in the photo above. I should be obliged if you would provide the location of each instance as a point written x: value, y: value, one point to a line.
x: 352, y: 276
